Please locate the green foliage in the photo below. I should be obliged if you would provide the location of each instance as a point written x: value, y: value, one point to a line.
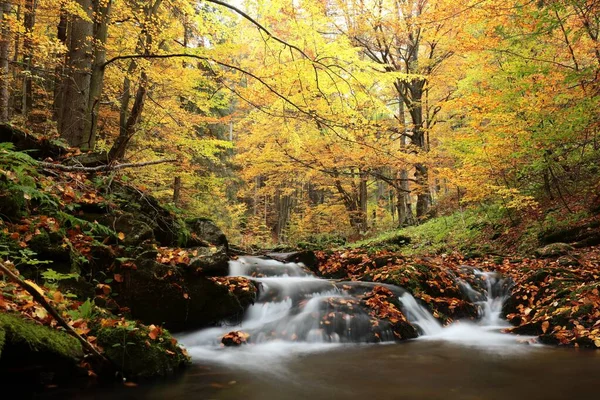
x: 84, y: 311
x: 53, y: 276
x: 90, y: 227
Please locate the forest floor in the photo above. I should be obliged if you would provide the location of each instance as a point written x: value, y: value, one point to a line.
x: 554, y: 266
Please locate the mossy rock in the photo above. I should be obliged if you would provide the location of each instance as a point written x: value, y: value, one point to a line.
x: 36, y: 354
x: 204, y: 230
x: 12, y: 203
x: 38, y: 338
x: 553, y: 250
x: 49, y: 246
x: 140, y: 355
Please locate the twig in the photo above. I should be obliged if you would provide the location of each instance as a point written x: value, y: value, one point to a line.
x: 102, y: 168
x: 42, y: 300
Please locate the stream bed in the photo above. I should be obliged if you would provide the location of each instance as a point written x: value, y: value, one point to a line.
x: 310, y: 340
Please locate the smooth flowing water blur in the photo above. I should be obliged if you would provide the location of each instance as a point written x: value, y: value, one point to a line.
x: 293, y: 356
x: 419, y: 370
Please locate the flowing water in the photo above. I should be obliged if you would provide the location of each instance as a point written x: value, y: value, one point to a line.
x: 298, y: 313
x: 294, y: 355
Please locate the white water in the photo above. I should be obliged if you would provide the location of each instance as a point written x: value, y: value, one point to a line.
x: 485, y: 333
x: 298, y: 313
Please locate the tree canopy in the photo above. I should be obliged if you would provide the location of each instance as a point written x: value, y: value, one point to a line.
x: 297, y: 120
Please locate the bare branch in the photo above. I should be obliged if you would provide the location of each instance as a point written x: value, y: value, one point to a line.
x: 103, y: 168
x: 42, y: 300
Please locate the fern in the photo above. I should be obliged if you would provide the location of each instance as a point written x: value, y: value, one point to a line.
x: 91, y: 226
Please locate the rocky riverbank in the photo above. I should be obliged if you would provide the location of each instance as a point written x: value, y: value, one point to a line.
x: 119, y: 267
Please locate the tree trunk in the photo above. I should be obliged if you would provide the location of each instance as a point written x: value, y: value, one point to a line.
x: 356, y: 217
x: 102, y: 14
x: 418, y: 139
x: 29, y: 23
x: 176, y: 190
x: 117, y: 151
x: 284, y: 205
x: 61, y: 35
x: 5, y: 7
x: 76, y: 85
x: 363, y: 199
x: 403, y: 191
x: 423, y: 194
x: 403, y: 201
x: 128, y: 120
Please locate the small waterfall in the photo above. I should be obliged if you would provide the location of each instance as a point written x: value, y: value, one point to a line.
x: 297, y: 311
x: 493, y: 291
x: 419, y: 315
x: 295, y: 306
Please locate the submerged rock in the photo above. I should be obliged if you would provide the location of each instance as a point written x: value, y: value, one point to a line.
x: 235, y: 338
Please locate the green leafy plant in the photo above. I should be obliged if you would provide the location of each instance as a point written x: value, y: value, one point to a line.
x: 84, y: 311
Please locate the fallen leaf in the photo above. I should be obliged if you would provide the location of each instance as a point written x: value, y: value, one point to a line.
x: 545, y: 326
x: 40, y: 312
x: 35, y: 286
x: 58, y: 297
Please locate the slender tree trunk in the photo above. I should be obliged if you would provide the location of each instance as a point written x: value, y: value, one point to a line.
x: 102, y: 14
x: 403, y: 199
x: 363, y: 199
x: 29, y: 23
x: 117, y: 151
x: 5, y: 36
x: 128, y: 120
x: 176, y: 190
x: 61, y: 34
x: 76, y: 84
x: 403, y: 190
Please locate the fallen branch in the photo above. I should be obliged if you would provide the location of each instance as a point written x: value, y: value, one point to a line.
x: 42, y: 300
x: 103, y: 168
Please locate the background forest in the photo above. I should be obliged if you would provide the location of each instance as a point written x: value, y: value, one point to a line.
x: 292, y: 121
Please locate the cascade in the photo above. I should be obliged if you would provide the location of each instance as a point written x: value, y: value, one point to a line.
x: 296, y: 310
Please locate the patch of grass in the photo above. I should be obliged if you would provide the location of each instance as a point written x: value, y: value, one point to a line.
x: 463, y: 231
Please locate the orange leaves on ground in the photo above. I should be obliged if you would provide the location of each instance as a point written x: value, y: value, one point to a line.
x: 174, y: 256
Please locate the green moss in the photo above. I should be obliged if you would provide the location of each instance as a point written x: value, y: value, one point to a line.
x: 2, y: 339
x: 138, y: 355
x: 12, y: 202
x: 38, y: 338
x: 583, y: 310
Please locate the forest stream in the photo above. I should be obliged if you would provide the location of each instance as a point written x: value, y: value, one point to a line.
x: 307, y: 340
